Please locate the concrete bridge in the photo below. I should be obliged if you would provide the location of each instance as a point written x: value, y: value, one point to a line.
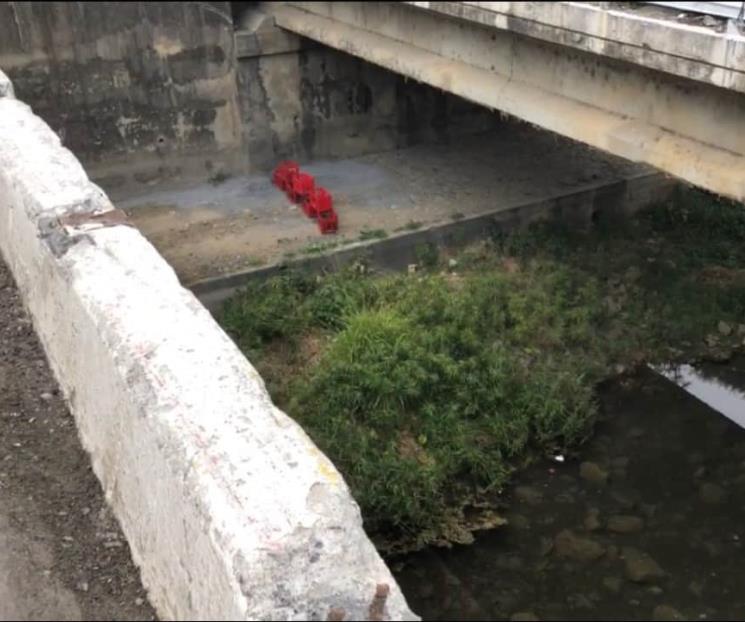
x: 635, y: 82
x: 191, y: 455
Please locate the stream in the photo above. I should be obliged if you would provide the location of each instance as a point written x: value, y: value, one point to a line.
x: 647, y: 523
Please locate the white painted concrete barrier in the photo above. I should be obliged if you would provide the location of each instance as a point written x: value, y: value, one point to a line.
x: 230, y: 510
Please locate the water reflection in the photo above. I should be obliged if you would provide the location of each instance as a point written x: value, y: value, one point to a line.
x: 719, y: 386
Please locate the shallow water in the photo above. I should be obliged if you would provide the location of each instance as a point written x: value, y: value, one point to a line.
x: 661, y: 536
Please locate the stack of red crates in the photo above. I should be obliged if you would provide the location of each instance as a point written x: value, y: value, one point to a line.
x: 301, y: 189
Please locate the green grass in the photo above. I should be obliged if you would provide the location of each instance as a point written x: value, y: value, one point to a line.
x: 373, y: 234
x: 412, y: 225
x: 317, y: 248
x: 427, y: 254
x: 428, y: 390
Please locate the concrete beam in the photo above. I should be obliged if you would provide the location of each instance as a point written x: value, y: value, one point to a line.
x: 686, y: 128
x: 689, y: 51
x: 230, y: 510
x: 251, y: 44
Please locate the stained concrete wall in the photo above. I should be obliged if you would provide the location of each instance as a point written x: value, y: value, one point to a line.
x: 230, y: 510
x: 140, y: 91
x: 153, y: 92
x: 306, y: 101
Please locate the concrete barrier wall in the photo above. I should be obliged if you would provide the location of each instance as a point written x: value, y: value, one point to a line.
x: 230, y: 510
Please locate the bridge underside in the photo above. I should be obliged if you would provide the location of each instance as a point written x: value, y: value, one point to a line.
x: 685, y: 127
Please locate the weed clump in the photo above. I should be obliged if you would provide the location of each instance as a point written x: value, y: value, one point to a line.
x: 373, y: 234
x: 267, y: 310
x: 425, y: 389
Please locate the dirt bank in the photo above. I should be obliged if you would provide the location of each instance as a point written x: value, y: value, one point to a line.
x: 62, y: 554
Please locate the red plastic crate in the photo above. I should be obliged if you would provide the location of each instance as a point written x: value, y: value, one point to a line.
x: 320, y: 200
x: 284, y: 173
x: 301, y: 187
x: 328, y: 221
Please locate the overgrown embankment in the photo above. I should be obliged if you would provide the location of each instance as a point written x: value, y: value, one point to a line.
x: 428, y: 389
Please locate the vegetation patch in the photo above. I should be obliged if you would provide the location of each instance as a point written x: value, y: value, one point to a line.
x: 373, y: 234
x: 318, y: 248
x: 254, y: 262
x: 427, y: 390
x: 412, y: 225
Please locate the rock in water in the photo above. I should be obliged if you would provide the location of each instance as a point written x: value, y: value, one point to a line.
x: 529, y: 495
x: 640, y: 567
x: 592, y: 522
x: 518, y: 521
x: 612, y: 584
x: 568, y: 544
x: 593, y: 473
x: 666, y: 613
x: 621, y: 523
x: 711, y: 493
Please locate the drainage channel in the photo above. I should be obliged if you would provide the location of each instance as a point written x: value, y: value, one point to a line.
x: 402, y: 250
x: 638, y: 517
x: 220, y: 235
x: 586, y: 534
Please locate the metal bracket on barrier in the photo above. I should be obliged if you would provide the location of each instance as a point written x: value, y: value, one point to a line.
x: 110, y: 218
x: 65, y: 231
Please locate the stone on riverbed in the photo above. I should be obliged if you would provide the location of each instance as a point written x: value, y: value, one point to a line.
x: 592, y: 522
x: 666, y: 613
x: 640, y: 567
x: 518, y: 521
x: 625, y: 499
x: 711, y: 493
x: 621, y: 523
x: 529, y: 495
x: 612, y: 584
x: 593, y: 473
x: 696, y: 588
x: 568, y: 544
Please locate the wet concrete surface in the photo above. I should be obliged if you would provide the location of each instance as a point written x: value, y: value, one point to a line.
x: 646, y: 522
x: 244, y: 222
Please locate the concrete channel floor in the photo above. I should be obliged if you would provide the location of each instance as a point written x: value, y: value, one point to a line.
x: 62, y: 554
x: 211, y: 230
